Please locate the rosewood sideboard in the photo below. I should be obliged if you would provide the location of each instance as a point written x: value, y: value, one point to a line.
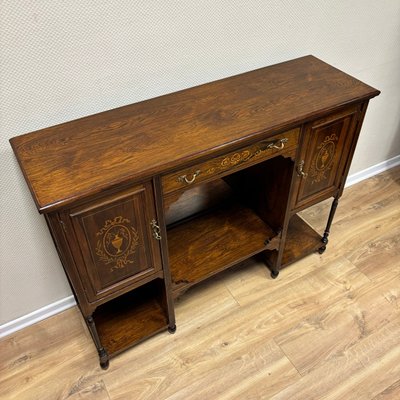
x: 146, y: 200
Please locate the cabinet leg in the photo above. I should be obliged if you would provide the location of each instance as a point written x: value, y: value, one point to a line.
x: 104, y: 359
x: 325, y: 239
x: 274, y: 273
x: 321, y: 249
x: 272, y: 263
x: 172, y: 329
x: 103, y: 355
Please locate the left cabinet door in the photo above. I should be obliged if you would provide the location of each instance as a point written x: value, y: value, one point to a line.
x: 114, y: 243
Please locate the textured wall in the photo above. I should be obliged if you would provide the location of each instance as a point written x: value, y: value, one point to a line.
x: 61, y: 60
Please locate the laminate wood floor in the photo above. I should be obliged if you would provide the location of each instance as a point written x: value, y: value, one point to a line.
x: 327, y: 328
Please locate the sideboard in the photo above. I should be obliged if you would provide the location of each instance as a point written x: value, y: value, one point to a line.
x: 147, y: 200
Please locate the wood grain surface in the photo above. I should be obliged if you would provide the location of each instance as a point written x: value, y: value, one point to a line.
x: 206, y: 245
x: 285, y: 144
x: 327, y: 328
x: 131, y: 318
x: 301, y: 239
x: 88, y: 155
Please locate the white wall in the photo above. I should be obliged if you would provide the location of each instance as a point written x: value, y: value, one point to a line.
x: 61, y: 60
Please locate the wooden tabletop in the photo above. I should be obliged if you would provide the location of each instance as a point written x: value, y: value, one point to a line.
x: 79, y: 158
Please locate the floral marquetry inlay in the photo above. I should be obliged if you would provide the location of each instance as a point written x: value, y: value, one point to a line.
x: 246, y: 155
x: 324, y: 158
x: 117, y: 242
x: 235, y: 158
x: 284, y: 144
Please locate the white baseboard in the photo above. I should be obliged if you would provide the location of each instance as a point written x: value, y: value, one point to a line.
x: 68, y: 302
x: 371, y: 171
x: 36, y: 316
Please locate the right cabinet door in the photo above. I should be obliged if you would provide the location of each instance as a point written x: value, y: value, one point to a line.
x: 326, y: 146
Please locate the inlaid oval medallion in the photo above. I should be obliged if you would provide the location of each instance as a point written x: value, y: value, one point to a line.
x: 117, y: 242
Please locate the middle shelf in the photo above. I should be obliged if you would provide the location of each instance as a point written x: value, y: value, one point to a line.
x: 209, y: 243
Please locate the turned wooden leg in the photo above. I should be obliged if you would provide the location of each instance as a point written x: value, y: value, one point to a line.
x: 325, y: 239
x: 272, y: 262
x: 172, y: 329
x: 274, y: 273
x: 103, y: 355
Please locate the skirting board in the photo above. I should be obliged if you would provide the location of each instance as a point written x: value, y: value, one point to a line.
x: 36, y: 316
x: 61, y: 305
x: 371, y: 171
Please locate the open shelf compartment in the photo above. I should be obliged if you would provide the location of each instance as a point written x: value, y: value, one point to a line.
x: 301, y: 240
x: 132, y: 317
x: 212, y: 242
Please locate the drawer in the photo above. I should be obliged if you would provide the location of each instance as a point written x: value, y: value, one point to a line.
x: 283, y: 144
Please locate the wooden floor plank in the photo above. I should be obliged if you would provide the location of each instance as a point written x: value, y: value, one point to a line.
x: 379, y: 258
x: 35, y: 360
x: 97, y: 391
x: 323, y: 335
x: 352, y: 374
x: 390, y: 393
x: 378, y: 352
x: 262, y: 370
x: 339, y: 276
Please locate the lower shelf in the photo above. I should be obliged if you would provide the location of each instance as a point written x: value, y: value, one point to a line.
x: 301, y: 240
x: 213, y: 242
x: 130, y: 318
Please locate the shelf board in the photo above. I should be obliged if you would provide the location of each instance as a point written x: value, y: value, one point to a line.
x: 301, y: 240
x: 213, y: 242
x: 130, y: 318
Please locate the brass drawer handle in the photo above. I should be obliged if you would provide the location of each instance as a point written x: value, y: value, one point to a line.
x: 264, y: 146
x: 300, y: 171
x: 279, y: 144
x: 156, y: 229
x: 184, y: 178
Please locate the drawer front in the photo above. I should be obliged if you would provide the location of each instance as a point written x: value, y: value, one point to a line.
x: 283, y: 144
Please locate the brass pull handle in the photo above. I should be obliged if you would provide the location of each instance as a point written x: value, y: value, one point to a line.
x: 279, y: 144
x: 300, y: 171
x: 156, y: 229
x: 184, y: 178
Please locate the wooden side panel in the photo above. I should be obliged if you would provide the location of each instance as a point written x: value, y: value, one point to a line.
x: 64, y: 251
x: 265, y: 188
x: 114, y: 241
x: 325, y: 149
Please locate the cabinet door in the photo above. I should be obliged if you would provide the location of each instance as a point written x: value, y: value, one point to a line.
x: 115, y: 245
x: 325, y: 150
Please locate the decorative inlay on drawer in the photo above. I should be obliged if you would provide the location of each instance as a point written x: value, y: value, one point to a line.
x: 283, y: 144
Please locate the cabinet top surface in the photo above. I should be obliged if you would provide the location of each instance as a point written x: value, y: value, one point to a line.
x: 79, y: 158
